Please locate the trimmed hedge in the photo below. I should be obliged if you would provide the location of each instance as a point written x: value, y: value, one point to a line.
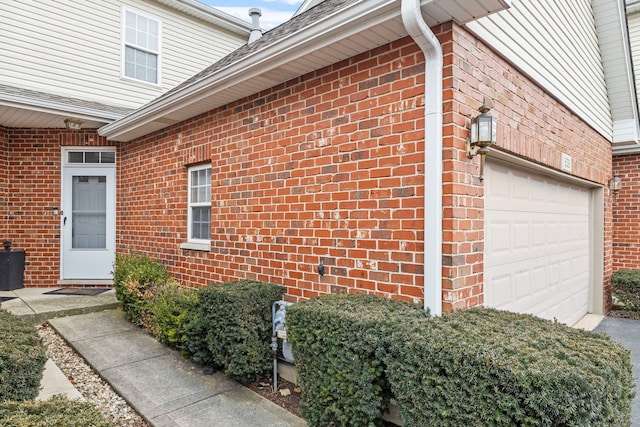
x: 335, y: 341
x: 222, y: 326
x: 169, y: 308
x: 134, y: 278
x: 355, y: 353
x: 57, y: 411
x: 234, y: 325
x: 489, y: 367
x: 22, y: 358
x: 626, y: 287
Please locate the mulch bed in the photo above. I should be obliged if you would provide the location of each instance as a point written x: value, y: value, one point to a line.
x: 287, y: 396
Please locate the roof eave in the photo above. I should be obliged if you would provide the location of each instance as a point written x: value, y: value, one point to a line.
x: 57, y: 108
x: 336, y: 26
x: 211, y: 15
x: 611, y: 20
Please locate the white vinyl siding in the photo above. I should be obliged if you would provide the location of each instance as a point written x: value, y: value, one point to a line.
x: 556, y: 44
x: 74, y: 48
x: 141, y: 46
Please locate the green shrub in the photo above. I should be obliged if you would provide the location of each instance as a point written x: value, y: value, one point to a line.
x: 236, y: 320
x: 626, y: 280
x: 134, y: 279
x: 626, y: 288
x: 57, y: 411
x: 22, y: 358
x: 169, y: 307
x: 335, y: 339
x: 488, y: 367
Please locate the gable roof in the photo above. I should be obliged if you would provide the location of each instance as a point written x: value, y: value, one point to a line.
x: 332, y: 31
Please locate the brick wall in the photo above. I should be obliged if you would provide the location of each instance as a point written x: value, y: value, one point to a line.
x: 626, y: 216
x: 531, y: 124
x: 33, y: 191
x: 329, y: 167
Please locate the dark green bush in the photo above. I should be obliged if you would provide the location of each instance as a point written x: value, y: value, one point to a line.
x: 57, y: 411
x: 22, y: 358
x: 626, y: 288
x: 626, y: 280
x: 169, y: 308
x: 487, y: 367
x: 335, y: 340
x: 134, y: 277
x: 236, y: 321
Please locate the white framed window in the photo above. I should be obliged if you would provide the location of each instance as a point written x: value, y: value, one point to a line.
x: 199, y: 202
x: 140, y: 47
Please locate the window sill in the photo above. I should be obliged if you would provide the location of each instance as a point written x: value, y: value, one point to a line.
x: 196, y: 246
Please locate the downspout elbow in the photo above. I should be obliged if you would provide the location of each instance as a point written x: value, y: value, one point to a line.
x: 430, y: 46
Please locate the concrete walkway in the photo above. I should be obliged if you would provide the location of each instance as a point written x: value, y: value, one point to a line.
x: 158, y: 382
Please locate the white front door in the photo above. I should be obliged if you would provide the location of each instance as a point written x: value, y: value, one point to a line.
x: 88, y: 214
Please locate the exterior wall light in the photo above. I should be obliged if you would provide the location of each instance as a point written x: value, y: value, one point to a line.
x: 615, y: 184
x: 73, y: 124
x: 483, y: 135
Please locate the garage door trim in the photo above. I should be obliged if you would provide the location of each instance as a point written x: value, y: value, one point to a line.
x: 596, y: 221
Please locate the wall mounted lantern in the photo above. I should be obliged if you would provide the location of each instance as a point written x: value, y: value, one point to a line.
x: 615, y: 184
x: 73, y: 124
x: 483, y: 134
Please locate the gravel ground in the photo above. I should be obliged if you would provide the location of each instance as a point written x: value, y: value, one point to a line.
x: 92, y: 387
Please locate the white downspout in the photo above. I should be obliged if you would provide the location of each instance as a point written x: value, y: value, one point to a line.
x: 427, y: 41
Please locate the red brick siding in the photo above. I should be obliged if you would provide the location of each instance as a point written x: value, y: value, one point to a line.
x: 325, y: 167
x: 626, y: 214
x: 531, y: 124
x: 329, y: 167
x: 33, y: 191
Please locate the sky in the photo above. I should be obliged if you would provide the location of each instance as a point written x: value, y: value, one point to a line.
x: 274, y: 12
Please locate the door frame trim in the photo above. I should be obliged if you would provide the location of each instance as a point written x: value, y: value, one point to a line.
x: 65, y: 165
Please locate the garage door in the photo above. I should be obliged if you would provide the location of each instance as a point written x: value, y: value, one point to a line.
x: 537, y: 244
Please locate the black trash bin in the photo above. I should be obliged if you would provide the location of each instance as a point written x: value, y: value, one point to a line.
x: 11, y: 268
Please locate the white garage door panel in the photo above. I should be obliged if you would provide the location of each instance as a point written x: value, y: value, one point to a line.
x: 537, y: 244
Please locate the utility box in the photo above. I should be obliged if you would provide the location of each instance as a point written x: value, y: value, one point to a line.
x: 11, y: 268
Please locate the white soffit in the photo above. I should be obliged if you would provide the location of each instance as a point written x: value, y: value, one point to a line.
x: 356, y: 28
x: 210, y: 15
x: 14, y: 117
x: 610, y: 16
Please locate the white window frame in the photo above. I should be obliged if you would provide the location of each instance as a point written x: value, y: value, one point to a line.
x: 192, y: 243
x: 124, y: 46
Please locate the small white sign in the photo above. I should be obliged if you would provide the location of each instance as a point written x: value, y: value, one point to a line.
x: 566, y: 162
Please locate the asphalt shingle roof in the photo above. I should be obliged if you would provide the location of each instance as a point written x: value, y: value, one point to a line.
x: 292, y: 26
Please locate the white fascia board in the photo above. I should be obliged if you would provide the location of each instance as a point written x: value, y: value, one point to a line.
x: 334, y: 27
x: 611, y: 24
x: 211, y: 15
x: 626, y: 149
x: 58, y: 108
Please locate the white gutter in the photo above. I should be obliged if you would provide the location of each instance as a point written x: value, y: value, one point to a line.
x: 424, y: 37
